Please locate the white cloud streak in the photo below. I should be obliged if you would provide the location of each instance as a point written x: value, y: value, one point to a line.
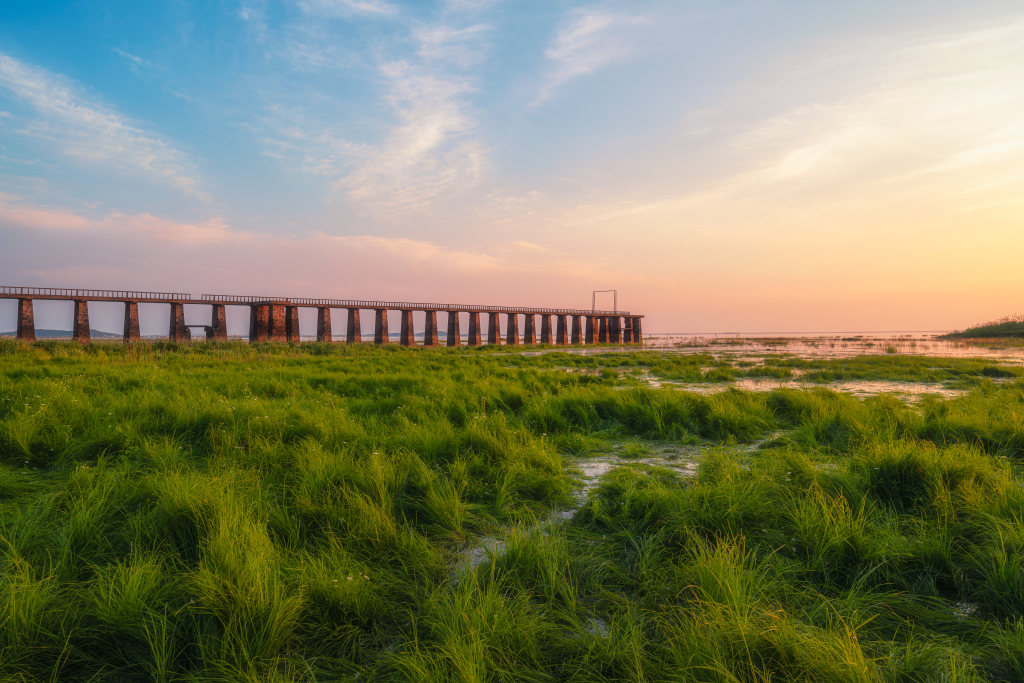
x: 333, y: 8
x: 587, y: 41
x: 254, y: 14
x: 315, y: 145
x: 467, y: 6
x: 429, y: 151
x: 924, y: 115
x: 423, y: 147
x: 134, y: 59
x: 38, y: 219
x: 91, y: 131
x: 461, y: 46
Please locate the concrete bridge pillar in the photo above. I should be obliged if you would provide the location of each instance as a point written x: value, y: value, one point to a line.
x: 408, y: 334
x: 512, y: 330
x: 278, y: 328
x: 614, y: 330
x: 561, y: 334
x: 493, y: 329
x: 474, y: 328
x: 176, y: 331
x: 576, y: 330
x: 354, y: 334
x: 588, y: 335
x: 638, y: 337
x: 602, y: 330
x: 259, y: 323
x: 381, y: 335
x: 131, y: 322
x: 323, y: 324
x: 627, y: 330
x: 545, y: 328
x: 26, y: 321
x: 291, y: 324
x: 454, y: 334
x: 430, y: 329
x: 530, y: 330
x: 218, y: 323
x: 80, y: 333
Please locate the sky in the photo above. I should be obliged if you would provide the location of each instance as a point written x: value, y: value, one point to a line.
x: 727, y: 166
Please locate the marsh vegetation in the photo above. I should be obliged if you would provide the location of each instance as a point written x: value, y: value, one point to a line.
x: 1007, y: 327
x: 236, y: 512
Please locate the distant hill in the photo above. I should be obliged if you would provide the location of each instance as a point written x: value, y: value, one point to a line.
x: 1010, y: 326
x: 65, y: 334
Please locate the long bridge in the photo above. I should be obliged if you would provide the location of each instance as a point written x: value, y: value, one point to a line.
x: 276, y: 319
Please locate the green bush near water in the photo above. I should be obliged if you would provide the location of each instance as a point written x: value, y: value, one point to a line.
x: 1010, y: 326
x: 235, y: 512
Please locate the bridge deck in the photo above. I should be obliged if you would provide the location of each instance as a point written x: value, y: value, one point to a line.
x: 50, y: 293
x: 276, y: 319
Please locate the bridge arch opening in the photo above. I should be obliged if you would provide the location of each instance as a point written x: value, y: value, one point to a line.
x: 307, y: 323
x: 106, y: 318
x: 9, y: 316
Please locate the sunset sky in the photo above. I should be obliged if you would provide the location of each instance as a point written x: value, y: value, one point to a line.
x: 745, y: 165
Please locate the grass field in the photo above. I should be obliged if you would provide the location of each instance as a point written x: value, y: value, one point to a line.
x: 233, y: 512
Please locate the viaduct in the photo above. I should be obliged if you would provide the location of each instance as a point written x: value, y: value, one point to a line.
x: 276, y: 319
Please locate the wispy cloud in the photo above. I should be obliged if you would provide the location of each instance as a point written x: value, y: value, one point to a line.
x: 428, y: 152
x: 459, y: 45
x: 254, y: 14
x: 88, y: 130
x: 422, y: 145
x: 587, y: 40
x: 468, y: 6
x: 26, y: 216
x: 14, y: 213
x: 916, y: 117
x: 134, y: 59
x: 317, y: 146
x: 343, y: 7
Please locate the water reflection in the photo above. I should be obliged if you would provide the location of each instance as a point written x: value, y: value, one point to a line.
x: 741, y: 347
x: 838, y: 345
x: 908, y: 391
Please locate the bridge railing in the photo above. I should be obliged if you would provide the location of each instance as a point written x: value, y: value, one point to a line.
x: 401, y: 305
x: 88, y: 293
x: 127, y: 295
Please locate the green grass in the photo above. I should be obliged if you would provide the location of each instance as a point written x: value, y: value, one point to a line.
x: 233, y: 512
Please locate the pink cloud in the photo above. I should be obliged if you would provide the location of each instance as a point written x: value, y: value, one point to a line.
x: 28, y: 217
x: 143, y: 251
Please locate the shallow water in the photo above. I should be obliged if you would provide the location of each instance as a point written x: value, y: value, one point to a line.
x: 679, y: 458
x: 835, y: 345
x: 682, y: 459
x: 909, y: 391
x: 737, y: 347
